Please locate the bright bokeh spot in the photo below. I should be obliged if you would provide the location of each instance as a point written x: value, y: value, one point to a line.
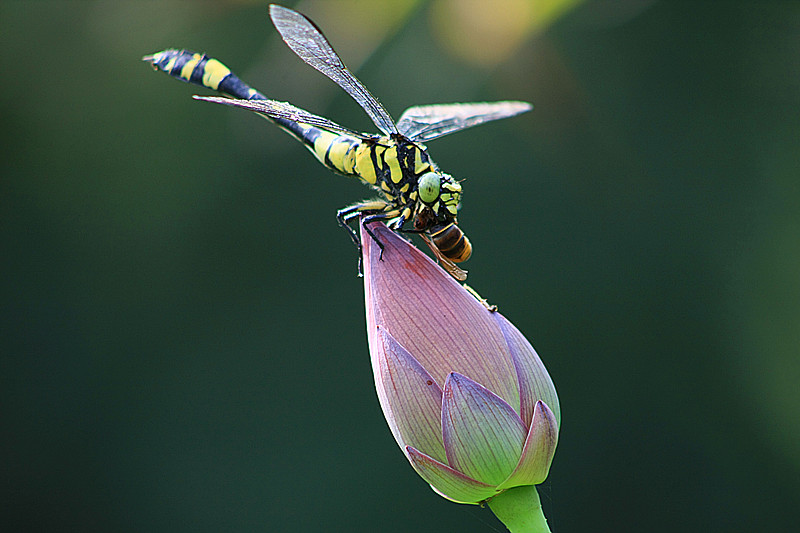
x: 486, y: 33
x: 376, y: 23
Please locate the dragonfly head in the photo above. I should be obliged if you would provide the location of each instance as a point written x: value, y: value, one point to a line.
x: 441, y: 193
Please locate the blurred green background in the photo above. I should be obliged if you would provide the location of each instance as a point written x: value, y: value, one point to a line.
x: 183, y: 344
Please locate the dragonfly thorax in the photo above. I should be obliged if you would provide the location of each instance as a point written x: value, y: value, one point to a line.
x: 404, y: 170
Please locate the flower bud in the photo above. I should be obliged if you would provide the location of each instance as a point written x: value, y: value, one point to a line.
x: 464, y: 393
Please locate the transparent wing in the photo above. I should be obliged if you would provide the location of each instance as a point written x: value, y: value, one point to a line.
x: 423, y: 123
x: 284, y: 111
x: 307, y: 41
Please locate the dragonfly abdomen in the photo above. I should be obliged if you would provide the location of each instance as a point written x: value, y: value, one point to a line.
x: 381, y: 162
x: 335, y: 151
x: 205, y: 71
x: 342, y: 153
x: 199, y: 69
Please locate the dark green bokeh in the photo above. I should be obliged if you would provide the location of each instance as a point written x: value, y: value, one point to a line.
x: 183, y: 343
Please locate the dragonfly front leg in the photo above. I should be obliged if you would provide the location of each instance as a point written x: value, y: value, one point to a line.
x: 370, y: 211
x: 346, y: 215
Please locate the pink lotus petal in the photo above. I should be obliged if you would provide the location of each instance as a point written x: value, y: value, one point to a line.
x: 540, y: 446
x: 450, y: 483
x: 534, y: 381
x: 483, y: 435
x: 433, y: 317
x: 411, y: 400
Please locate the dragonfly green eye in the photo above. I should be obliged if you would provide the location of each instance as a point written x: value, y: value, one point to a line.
x: 428, y: 187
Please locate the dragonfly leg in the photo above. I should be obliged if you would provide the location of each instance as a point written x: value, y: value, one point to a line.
x: 343, y: 217
x: 374, y: 218
x: 371, y: 211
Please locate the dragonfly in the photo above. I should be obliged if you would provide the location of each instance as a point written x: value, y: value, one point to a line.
x: 414, y: 195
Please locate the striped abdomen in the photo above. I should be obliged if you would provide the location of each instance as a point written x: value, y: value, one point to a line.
x: 451, y: 242
x: 381, y: 162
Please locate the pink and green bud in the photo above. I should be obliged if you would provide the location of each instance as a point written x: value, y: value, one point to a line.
x: 466, y: 396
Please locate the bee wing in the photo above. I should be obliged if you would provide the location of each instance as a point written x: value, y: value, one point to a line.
x: 423, y: 123
x: 450, y: 267
x: 307, y: 41
x: 284, y: 111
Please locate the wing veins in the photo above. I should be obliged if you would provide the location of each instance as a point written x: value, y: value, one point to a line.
x: 284, y: 111
x: 423, y: 123
x: 310, y: 45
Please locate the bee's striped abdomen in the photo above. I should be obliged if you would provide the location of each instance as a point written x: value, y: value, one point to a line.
x: 451, y: 242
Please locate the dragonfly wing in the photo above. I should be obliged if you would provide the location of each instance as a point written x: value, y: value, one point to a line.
x: 284, y: 111
x: 423, y: 123
x: 307, y: 41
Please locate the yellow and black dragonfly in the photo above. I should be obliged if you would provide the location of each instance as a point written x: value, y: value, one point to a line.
x: 412, y: 189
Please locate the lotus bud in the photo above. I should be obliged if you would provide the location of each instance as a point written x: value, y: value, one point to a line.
x: 465, y: 395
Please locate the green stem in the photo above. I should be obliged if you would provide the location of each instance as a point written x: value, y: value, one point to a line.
x: 520, y: 510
